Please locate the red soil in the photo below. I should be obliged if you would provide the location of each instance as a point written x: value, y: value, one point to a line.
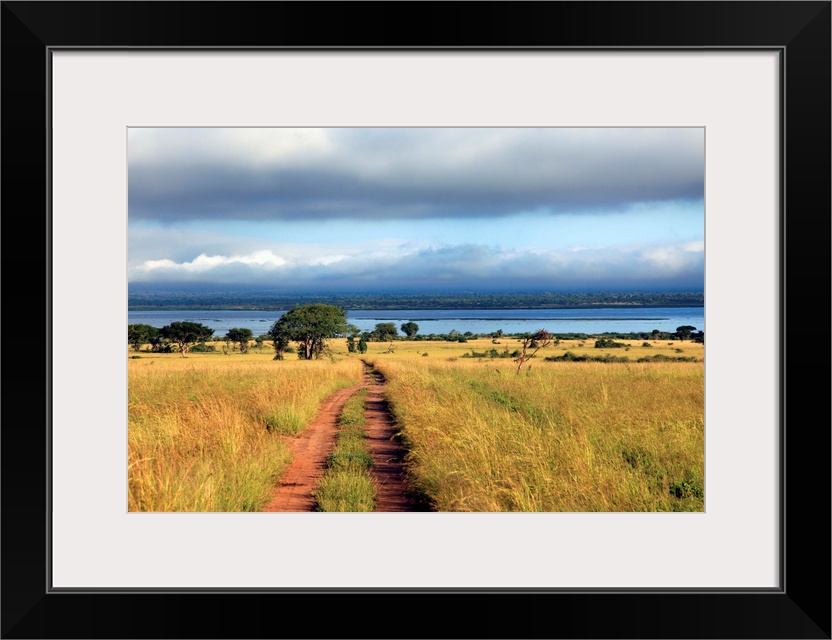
x: 311, y: 448
x: 387, y: 453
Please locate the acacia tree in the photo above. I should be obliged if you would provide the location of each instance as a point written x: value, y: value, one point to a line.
x: 241, y: 337
x: 537, y: 341
x: 140, y: 334
x: 684, y: 332
x: 309, y: 325
x: 410, y: 328
x: 280, y: 344
x: 186, y: 334
x: 385, y: 331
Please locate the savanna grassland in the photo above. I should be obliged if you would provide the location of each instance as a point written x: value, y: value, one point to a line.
x: 208, y: 432
x: 555, y: 436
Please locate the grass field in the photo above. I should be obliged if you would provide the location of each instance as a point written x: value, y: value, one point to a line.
x: 207, y: 432
x: 557, y: 436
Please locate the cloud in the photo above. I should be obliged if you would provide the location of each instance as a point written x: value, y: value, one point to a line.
x: 406, y: 265
x: 414, y: 173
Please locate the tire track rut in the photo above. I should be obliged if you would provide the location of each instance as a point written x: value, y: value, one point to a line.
x: 387, y: 452
x: 295, y: 491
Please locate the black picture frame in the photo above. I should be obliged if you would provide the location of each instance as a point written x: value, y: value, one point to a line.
x: 800, y: 608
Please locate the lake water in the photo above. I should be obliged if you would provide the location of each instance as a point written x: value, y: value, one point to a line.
x: 595, y: 320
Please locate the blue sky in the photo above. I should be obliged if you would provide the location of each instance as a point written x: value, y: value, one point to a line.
x: 387, y: 209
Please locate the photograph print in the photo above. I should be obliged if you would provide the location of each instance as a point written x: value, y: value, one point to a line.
x: 416, y: 319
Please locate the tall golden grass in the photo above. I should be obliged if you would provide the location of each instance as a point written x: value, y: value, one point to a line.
x: 559, y: 436
x: 207, y: 432
x: 432, y: 350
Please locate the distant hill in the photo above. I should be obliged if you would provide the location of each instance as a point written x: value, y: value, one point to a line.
x: 141, y: 299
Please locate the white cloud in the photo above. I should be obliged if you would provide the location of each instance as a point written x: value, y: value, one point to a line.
x: 674, y: 258
x: 401, y: 263
x: 205, y: 264
x: 263, y: 258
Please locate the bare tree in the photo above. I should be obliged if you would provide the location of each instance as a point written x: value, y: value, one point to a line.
x: 536, y: 341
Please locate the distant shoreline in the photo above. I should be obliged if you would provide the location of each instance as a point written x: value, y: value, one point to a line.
x: 242, y: 300
x: 172, y: 307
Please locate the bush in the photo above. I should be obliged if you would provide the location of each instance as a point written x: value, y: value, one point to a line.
x: 492, y: 353
x: 571, y: 357
x: 608, y: 343
x: 567, y: 357
x: 663, y: 358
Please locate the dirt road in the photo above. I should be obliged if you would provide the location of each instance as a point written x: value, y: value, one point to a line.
x: 387, y: 453
x: 311, y: 448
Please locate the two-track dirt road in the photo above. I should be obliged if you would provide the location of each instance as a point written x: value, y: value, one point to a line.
x: 311, y: 448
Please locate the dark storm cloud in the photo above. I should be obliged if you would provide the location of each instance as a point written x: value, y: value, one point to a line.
x: 305, y: 174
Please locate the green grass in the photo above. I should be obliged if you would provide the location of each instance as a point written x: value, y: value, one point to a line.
x: 347, y: 484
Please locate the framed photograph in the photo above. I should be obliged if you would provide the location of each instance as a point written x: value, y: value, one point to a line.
x: 109, y: 104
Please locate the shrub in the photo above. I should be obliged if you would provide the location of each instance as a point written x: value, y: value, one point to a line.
x: 567, y: 357
x: 608, y: 343
x: 571, y: 357
x: 663, y: 358
x: 492, y: 353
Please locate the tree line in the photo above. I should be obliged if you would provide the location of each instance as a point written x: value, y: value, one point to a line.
x: 151, y: 297
x: 310, y: 326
